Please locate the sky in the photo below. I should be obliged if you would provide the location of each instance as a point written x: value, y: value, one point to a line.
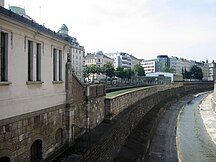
x: 143, y: 28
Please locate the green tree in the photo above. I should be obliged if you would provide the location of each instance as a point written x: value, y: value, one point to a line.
x: 169, y: 70
x: 196, y: 72
x: 93, y: 69
x: 108, y: 70
x: 139, y: 70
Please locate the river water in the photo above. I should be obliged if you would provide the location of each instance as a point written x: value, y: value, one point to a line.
x: 194, y: 143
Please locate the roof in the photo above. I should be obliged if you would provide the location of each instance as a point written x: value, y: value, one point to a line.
x: 30, y: 23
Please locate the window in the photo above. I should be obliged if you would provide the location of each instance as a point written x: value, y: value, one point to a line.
x: 54, y: 64
x: 57, y: 65
x: 60, y: 65
x: 3, y: 57
x: 34, y: 63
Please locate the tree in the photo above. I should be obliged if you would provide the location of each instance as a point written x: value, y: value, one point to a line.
x: 196, y: 72
x: 169, y: 70
x: 139, y: 70
x: 128, y: 73
x: 93, y: 69
x: 86, y: 73
x: 108, y: 70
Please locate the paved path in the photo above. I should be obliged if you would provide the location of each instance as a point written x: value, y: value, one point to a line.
x: 209, y: 117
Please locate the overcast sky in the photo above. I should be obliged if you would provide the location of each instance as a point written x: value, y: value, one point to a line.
x: 143, y: 28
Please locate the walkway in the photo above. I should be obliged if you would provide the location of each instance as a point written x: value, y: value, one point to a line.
x: 209, y: 117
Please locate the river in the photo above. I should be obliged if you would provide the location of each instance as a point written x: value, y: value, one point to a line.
x: 194, y: 143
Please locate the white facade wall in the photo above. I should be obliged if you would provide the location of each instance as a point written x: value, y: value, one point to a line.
x: 77, y: 61
x: 149, y: 66
x: 18, y: 96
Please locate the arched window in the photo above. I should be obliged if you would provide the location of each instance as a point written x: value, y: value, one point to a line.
x: 59, y: 137
x: 36, y: 151
x: 5, y: 159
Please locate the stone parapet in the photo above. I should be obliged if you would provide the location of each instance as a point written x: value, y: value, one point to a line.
x: 116, y: 104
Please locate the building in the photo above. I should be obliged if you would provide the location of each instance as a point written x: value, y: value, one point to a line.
x: 162, y: 63
x: 76, y: 53
x: 124, y: 60
x: 32, y: 89
x: 173, y: 77
x: 212, y: 71
x: 149, y: 65
x: 98, y: 59
x: 134, y: 61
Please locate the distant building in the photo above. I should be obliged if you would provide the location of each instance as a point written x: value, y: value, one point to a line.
x: 124, y: 60
x: 134, y: 61
x: 212, y: 71
x: 162, y: 63
x: 76, y: 53
x: 98, y: 59
x: 174, y: 77
x: 149, y: 65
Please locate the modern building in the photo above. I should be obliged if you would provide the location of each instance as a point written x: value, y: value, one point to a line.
x: 162, y: 63
x: 122, y: 59
x: 149, y: 65
x: 76, y: 53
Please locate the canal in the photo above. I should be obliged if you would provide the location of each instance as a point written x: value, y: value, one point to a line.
x: 194, y: 143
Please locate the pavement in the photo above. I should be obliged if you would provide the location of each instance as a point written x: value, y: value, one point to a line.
x: 208, y: 116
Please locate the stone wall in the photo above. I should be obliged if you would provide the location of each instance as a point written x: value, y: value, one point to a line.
x: 115, y: 136
x: 115, y: 105
x: 117, y: 130
x: 18, y: 134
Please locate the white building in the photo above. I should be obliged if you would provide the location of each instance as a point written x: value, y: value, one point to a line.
x: 98, y: 59
x: 32, y: 66
x: 149, y: 65
x: 76, y: 51
x: 122, y: 59
x: 212, y: 71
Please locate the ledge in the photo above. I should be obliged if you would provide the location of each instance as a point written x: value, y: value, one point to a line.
x: 5, y: 83
x: 34, y: 82
x: 57, y: 82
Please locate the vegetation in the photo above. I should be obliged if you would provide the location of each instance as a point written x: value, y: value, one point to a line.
x: 139, y: 70
x: 194, y: 73
x: 111, y: 72
x: 169, y: 70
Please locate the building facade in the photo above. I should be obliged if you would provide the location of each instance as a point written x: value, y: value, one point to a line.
x: 124, y: 60
x: 76, y: 53
x: 149, y: 65
x: 98, y: 59
x: 212, y: 71
x: 32, y: 89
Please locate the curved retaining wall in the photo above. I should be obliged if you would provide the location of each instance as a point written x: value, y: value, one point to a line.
x: 129, y: 108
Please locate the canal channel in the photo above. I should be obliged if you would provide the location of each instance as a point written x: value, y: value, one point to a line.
x: 193, y: 142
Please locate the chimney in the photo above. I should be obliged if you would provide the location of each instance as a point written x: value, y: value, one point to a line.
x: 2, y: 3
